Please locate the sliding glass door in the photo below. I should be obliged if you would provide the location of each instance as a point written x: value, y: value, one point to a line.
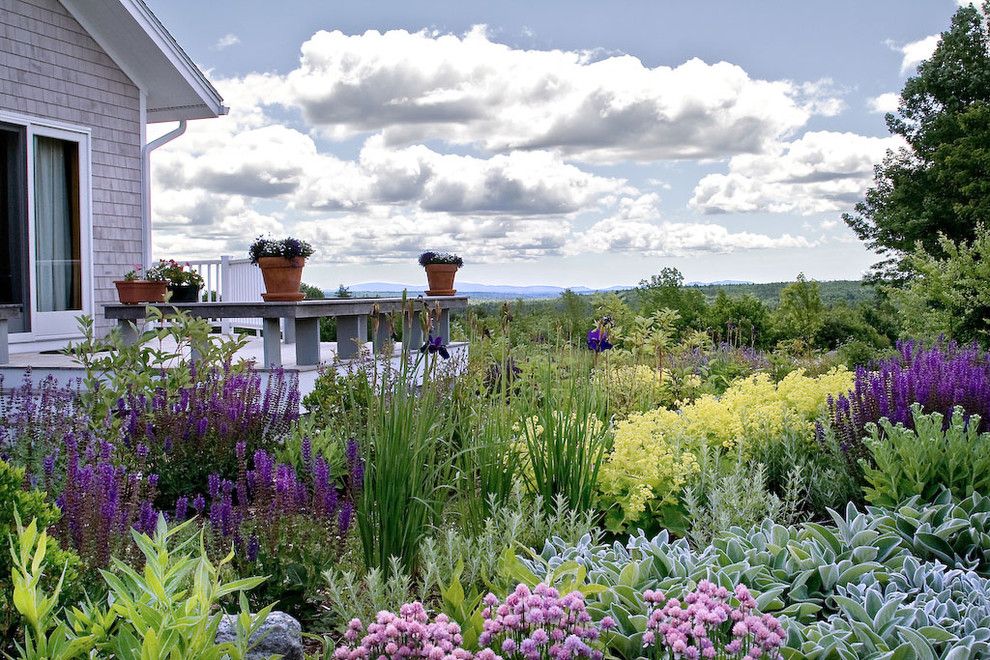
x: 13, y: 221
x: 59, y: 236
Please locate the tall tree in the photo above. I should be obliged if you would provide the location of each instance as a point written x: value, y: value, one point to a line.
x: 940, y: 181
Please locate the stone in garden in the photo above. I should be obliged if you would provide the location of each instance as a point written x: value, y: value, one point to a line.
x: 280, y: 635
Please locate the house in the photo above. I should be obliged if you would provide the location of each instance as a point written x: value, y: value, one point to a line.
x: 80, y: 80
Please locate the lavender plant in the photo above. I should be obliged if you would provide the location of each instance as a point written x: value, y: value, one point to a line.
x: 34, y: 419
x: 939, y: 377
x: 194, y: 432
x: 289, y: 525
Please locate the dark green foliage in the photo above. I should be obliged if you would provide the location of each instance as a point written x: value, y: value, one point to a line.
x: 740, y: 320
x: 667, y: 291
x: 938, y: 183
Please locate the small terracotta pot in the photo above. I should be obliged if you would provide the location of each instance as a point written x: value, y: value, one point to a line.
x: 183, y: 293
x: 282, y: 278
x: 133, y: 292
x: 441, y: 279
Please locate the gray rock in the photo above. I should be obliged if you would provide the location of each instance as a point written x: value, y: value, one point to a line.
x: 280, y: 635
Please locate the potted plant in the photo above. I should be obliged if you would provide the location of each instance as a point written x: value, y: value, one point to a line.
x: 141, y: 287
x: 184, y: 285
x: 441, y: 267
x: 281, y: 263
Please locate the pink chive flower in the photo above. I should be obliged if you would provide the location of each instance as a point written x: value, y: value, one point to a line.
x: 710, y: 622
x: 538, y: 624
x: 408, y: 634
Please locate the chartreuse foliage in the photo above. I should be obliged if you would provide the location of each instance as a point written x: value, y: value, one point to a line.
x: 167, y: 610
x: 656, y: 453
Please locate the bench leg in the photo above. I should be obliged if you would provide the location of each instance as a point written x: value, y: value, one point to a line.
x: 443, y: 326
x: 352, y: 333
x: 128, y: 331
x: 383, y: 335
x: 272, y: 337
x: 4, y: 348
x: 412, y: 333
x: 288, y: 331
x: 307, y: 336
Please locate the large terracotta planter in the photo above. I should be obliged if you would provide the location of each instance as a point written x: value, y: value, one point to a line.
x: 282, y: 278
x: 441, y: 279
x: 133, y: 292
x: 183, y: 293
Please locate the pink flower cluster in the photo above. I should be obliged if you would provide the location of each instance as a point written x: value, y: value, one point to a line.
x: 537, y: 625
x: 707, y: 625
x: 409, y: 634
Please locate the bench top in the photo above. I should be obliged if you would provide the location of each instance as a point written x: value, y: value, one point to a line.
x: 304, y: 309
x: 9, y: 311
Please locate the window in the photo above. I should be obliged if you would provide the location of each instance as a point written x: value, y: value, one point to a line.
x: 13, y: 220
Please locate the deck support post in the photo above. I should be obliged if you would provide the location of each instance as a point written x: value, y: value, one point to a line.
x: 307, y: 338
x: 352, y: 333
x: 272, y: 338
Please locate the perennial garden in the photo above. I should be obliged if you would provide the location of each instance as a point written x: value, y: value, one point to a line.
x: 640, y: 492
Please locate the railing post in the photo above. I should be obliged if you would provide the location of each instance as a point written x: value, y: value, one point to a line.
x: 223, y: 292
x: 443, y: 325
x: 412, y: 331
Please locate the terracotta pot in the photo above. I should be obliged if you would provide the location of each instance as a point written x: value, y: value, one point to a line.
x: 184, y: 293
x: 282, y: 278
x: 132, y: 292
x: 441, y: 279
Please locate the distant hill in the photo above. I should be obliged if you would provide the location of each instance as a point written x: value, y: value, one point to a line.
x: 500, y: 291
x: 849, y: 291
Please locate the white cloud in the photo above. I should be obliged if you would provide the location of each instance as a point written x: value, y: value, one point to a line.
x: 471, y: 90
x: 884, y: 103
x: 821, y: 171
x: 226, y: 41
x: 916, y: 52
x: 383, y: 235
x: 637, y: 227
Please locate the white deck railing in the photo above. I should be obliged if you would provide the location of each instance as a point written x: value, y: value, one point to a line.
x: 231, y: 280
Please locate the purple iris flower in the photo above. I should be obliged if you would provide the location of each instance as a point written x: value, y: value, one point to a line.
x: 435, y: 345
x: 598, y: 340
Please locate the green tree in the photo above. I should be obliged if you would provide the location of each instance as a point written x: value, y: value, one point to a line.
x: 949, y: 294
x: 940, y: 181
x: 311, y: 292
x: 739, y: 319
x: 801, y: 312
x: 667, y: 291
x: 343, y: 292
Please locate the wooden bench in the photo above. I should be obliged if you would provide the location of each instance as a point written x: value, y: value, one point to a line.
x: 304, y: 316
x: 7, y: 312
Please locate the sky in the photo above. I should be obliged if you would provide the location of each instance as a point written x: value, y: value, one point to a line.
x: 547, y: 142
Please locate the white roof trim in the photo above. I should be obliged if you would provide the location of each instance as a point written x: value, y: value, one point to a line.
x: 141, y: 46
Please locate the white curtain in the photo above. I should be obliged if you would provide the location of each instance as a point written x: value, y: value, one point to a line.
x: 56, y: 232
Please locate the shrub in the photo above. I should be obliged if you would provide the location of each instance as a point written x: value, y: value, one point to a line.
x: 18, y: 502
x: 923, y: 461
x: 655, y: 453
x: 194, y: 432
x: 169, y: 610
x: 34, y: 420
x: 939, y: 377
x: 286, y: 524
